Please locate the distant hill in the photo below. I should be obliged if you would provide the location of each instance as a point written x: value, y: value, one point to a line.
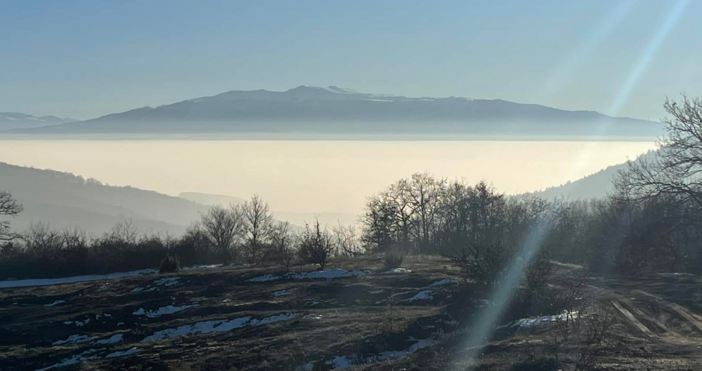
x: 65, y: 200
x: 296, y: 219
x: 210, y: 199
x: 313, y: 110
x: 14, y: 120
x: 596, y: 185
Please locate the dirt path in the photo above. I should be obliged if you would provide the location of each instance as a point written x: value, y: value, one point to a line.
x: 656, y: 318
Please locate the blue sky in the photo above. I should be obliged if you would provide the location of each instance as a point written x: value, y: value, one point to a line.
x: 84, y: 59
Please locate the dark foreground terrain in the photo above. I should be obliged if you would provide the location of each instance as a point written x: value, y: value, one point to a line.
x: 354, y: 315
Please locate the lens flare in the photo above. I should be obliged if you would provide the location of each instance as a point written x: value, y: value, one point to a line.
x: 631, y: 81
x: 566, y: 70
x: 483, y: 326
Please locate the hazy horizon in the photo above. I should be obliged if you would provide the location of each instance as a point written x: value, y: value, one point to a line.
x: 317, y: 176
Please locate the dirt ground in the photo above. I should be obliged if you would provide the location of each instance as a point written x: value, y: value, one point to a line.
x: 355, y: 315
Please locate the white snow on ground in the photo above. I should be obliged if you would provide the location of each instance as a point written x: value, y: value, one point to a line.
x: 542, y: 320
x: 324, y: 274
x: 267, y: 277
x: 162, y: 311
x: 168, y: 281
x: 57, y: 302
x: 398, y: 271
x: 422, y: 295
x: 207, y: 327
x: 282, y: 293
x: 74, y: 339
x: 340, y: 363
x: 373, y: 292
x: 73, y: 360
x: 92, y: 277
x: 111, y: 340
x: 445, y: 281
x: 123, y: 353
x: 399, y: 354
x: 58, y: 281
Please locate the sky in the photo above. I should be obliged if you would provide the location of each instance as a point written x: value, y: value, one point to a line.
x: 84, y: 59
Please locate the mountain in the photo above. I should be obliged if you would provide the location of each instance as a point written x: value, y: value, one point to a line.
x: 596, y: 185
x: 14, y: 120
x: 65, y: 200
x: 309, y: 110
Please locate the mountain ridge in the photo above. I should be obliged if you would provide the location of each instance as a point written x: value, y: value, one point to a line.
x: 335, y: 110
x: 16, y: 120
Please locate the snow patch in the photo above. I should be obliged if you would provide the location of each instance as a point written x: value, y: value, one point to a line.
x: 168, y: 281
x: 123, y: 353
x: 111, y: 340
x: 59, y: 281
x: 212, y: 266
x: 73, y: 360
x: 282, y: 293
x: 340, y: 363
x: 162, y: 311
x: 398, y: 271
x: 445, y: 281
x: 374, y: 292
x: 422, y: 295
x: 74, y: 339
x: 57, y: 302
x: 207, y: 327
x: 542, y: 320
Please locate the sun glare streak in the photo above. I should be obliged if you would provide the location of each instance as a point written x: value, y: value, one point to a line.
x: 632, y: 80
x: 647, y: 56
x: 485, y: 322
x: 483, y: 326
x: 575, y: 60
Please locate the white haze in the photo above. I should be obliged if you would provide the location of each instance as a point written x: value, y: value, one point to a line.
x: 317, y: 176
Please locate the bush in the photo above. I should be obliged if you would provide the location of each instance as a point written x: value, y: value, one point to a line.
x: 393, y: 258
x: 169, y: 264
x: 316, y: 245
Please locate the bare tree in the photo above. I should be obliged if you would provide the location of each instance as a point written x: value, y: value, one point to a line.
x: 223, y: 228
x: 347, y: 241
x: 42, y: 240
x: 316, y: 245
x: 8, y: 207
x: 283, y: 243
x: 425, y: 193
x: 258, y: 224
x: 124, y: 233
x: 677, y: 167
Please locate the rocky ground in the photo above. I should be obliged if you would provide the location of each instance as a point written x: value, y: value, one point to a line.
x: 353, y: 315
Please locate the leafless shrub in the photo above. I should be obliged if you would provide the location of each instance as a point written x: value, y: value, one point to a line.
x: 316, y: 245
x: 393, y: 258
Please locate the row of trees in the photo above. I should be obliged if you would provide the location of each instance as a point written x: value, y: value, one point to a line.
x: 249, y: 232
x: 652, y: 222
x: 242, y: 233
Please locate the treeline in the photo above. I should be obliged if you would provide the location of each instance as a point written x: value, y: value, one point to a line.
x: 651, y: 223
x: 241, y: 234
